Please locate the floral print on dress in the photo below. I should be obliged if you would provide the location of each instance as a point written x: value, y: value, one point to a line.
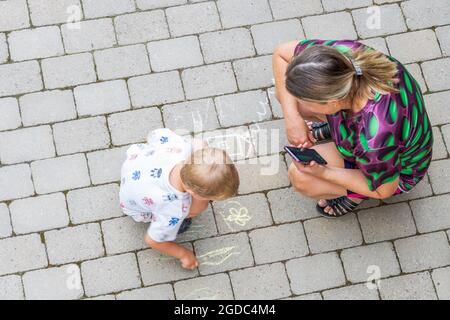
x: 174, y: 221
x: 156, y: 173
x: 164, y: 140
x: 132, y: 202
x: 133, y: 157
x: 147, y: 201
x: 170, y: 197
x: 136, y: 175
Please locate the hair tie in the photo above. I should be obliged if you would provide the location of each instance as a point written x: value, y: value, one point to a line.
x: 356, y: 67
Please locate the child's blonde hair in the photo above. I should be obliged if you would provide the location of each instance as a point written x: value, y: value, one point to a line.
x: 211, y: 174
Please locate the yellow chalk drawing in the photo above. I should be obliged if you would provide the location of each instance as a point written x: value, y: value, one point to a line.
x: 240, y: 217
x: 221, y: 255
x: 237, y: 214
x: 205, y: 293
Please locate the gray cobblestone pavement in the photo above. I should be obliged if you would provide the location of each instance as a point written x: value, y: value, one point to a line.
x: 80, y: 80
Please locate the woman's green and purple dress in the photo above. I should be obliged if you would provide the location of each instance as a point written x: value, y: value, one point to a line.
x: 390, y: 137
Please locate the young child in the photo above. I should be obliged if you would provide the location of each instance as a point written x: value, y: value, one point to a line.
x: 170, y: 179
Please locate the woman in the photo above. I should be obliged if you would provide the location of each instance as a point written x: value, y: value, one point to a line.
x: 372, y: 110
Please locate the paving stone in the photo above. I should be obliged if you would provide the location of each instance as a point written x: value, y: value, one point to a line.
x: 93, y: 204
x: 103, y: 8
x: 437, y: 74
x: 227, y: 45
x: 236, y: 13
x: 315, y: 273
x: 325, y: 26
x: 63, y: 283
x: 356, y: 292
x: 283, y: 9
x: 10, y: 114
x: 441, y: 279
x: 141, y: 27
x: 333, y: 5
x: 446, y: 133
x: 311, y: 296
x: 377, y: 44
x: 279, y: 243
x: 26, y: 145
x: 414, y: 46
x: 101, y: 98
x: 421, y: 190
x: 158, y: 268
x: 266, y: 282
x: 18, y: 78
x: 216, y: 287
x: 91, y: 35
x: 74, y: 244
x: 434, y: 103
x: 443, y: 34
x: 61, y: 173
x: 390, y: 21
x: 430, y: 214
x: 269, y: 35
x: 254, y: 73
x: 223, y: 253
x: 44, y: 12
x: 133, y: 126
x: 100, y: 276
x: 193, y: 18
x: 439, y: 150
x: 35, y: 43
x: 288, y: 206
x: 4, y: 53
x: 122, y: 62
x: 331, y: 234
x: 244, y: 107
x: 156, y: 89
x: 387, y: 222
x: 208, y: 80
x: 357, y: 261
x: 11, y: 288
x: 417, y: 286
x: 269, y: 137
x: 242, y: 213
x: 13, y: 15
x: 423, y: 252
x: 47, y: 106
x: 272, y: 173
x: 110, y: 173
x: 19, y: 182
x: 439, y: 176
x: 155, y: 4
x: 103, y: 298
x: 235, y: 141
x: 81, y: 135
x: 68, y: 71
x: 22, y: 253
x: 416, y: 72
x: 175, y: 53
x: 191, y: 116
x: 5, y: 221
x: 161, y: 292
x: 203, y: 226
x: 123, y: 235
x: 39, y: 213
x: 424, y: 14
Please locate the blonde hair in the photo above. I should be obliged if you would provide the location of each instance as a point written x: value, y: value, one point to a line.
x: 211, y: 174
x: 323, y: 73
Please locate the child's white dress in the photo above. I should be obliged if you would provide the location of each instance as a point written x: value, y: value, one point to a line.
x: 145, y: 191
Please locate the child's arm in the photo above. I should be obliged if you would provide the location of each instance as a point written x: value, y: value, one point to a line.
x: 186, y: 256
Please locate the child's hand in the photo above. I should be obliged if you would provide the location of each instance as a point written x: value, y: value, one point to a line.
x: 189, y: 261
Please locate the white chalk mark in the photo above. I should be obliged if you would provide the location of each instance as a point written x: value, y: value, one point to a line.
x: 223, y: 254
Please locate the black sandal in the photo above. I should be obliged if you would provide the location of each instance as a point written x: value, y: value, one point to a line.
x: 341, y: 206
x: 321, y: 131
x: 185, y: 225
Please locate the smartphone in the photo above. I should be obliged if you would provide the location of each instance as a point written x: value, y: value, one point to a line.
x: 305, y: 156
